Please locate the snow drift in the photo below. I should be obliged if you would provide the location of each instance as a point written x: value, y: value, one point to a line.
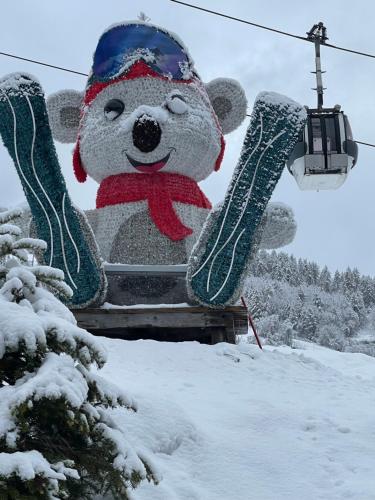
x: 232, y: 422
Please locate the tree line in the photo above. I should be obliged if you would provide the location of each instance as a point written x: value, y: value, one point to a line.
x: 295, y: 298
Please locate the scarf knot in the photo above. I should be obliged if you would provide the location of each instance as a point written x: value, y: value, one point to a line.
x: 160, y: 190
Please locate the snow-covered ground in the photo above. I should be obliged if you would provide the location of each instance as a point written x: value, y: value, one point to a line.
x: 233, y: 423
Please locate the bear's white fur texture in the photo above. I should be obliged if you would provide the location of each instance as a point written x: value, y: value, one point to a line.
x: 192, y: 138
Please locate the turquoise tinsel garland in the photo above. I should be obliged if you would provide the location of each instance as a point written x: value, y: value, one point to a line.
x: 228, y: 241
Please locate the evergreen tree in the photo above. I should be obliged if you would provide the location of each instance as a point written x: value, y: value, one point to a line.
x: 351, y: 280
x: 308, y: 323
x: 311, y: 300
x: 303, y: 271
x: 56, y: 438
x: 256, y: 301
x: 312, y: 273
x: 367, y: 288
x: 325, y: 280
x: 294, y: 314
x: 278, y: 271
x: 356, y: 279
x: 295, y: 279
x: 337, y: 282
x: 358, y: 305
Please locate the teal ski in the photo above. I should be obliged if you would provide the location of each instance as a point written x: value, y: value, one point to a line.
x: 229, y: 238
x: 26, y: 133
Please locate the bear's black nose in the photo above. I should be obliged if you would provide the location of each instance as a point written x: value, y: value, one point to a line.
x: 146, y: 134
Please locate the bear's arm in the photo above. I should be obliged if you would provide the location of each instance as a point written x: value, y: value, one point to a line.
x: 279, y: 226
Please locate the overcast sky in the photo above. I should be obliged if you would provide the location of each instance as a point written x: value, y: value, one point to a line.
x: 334, y: 227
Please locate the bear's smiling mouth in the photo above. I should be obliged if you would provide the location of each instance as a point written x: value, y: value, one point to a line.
x: 145, y: 168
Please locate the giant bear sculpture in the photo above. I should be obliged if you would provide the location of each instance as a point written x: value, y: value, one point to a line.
x: 147, y: 129
x: 135, y: 126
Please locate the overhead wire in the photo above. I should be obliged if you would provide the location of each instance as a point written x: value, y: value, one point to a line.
x: 267, y: 28
x: 358, y: 142
x: 43, y: 64
x: 365, y: 144
x: 280, y: 32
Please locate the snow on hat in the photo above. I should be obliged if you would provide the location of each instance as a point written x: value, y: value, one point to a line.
x: 137, y: 49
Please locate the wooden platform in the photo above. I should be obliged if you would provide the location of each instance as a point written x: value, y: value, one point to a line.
x: 166, y: 323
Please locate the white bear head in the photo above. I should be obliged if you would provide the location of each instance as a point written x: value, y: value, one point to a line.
x: 145, y: 109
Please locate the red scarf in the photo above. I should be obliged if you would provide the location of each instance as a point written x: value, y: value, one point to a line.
x: 160, y: 190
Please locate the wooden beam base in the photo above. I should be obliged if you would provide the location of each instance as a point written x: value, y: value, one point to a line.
x: 171, y: 324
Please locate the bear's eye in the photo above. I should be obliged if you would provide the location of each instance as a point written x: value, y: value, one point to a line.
x: 113, y: 109
x: 176, y: 104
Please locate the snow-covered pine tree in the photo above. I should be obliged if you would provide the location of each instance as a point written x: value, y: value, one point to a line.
x: 295, y: 279
x: 356, y: 300
x: 57, y: 440
x: 301, y: 266
x: 367, y: 288
x: 308, y: 323
x: 337, y: 282
x: 279, y: 272
x: 325, y: 280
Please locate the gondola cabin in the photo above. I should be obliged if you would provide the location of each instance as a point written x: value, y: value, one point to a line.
x: 325, y: 152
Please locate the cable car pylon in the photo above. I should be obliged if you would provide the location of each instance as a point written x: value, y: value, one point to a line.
x: 318, y: 35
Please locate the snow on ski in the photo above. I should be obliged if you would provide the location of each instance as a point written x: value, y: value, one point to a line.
x: 25, y: 131
x: 229, y: 239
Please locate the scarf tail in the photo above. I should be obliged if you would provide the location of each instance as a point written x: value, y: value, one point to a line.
x: 165, y: 218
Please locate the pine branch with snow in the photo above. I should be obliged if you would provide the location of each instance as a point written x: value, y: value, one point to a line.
x: 14, y: 253
x: 56, y: 438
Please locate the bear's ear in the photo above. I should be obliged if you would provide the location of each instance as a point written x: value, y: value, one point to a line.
x: 229, y: 102
x: 64, y: 114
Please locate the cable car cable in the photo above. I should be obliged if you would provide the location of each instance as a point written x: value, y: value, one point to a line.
x: 365, y: 143
x: 267, y: 28
x: 43, y: 64
x: 310, y: 38
x: 256, y: 25
x: 33, y: 61
x: 358, y: 142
